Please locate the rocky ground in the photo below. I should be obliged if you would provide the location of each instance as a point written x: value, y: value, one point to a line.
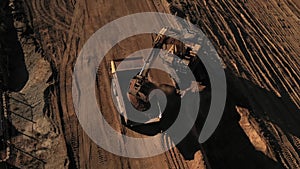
x: 34, y: 134
x: 258, y: 41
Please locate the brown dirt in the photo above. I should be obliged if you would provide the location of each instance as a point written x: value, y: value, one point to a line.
x: 259, y: 44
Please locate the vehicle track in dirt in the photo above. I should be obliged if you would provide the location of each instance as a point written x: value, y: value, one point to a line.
x: 6, y: 134
x: 263, y: 56
x: 258, y: 41
x: 107, y: 106
x: 44, y: 15
x: 61, y: 8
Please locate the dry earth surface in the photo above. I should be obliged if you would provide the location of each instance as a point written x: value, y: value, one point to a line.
x: 259, y: 42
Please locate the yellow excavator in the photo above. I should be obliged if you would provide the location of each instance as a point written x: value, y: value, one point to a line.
x: 141, y: 85
x: 134, y: 100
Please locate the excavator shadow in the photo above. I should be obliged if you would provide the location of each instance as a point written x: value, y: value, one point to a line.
x: 231, y: 147
x: 230, y: 138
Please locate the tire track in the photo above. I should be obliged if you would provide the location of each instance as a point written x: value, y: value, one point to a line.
x: 101, y: 156
x: 39, y: 13
x: 296, y: 142
x: 6, y: 140
x: 252, y: 57
x: 235, y: 32
x: 279, y: 60
x: 287, y: 156
x: 288, y: 68
x: 293, y: 8
x: 264, y: 59
x: 61, y: 9
x: 43, y: 14
x: 64, y: 8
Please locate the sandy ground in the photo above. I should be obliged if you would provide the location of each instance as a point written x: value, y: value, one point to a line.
x: 259, y: 43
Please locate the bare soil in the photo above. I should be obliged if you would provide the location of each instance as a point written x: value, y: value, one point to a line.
x: 259, y: 42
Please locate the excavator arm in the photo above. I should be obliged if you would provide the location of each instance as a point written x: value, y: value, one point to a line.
x: 140, y: 87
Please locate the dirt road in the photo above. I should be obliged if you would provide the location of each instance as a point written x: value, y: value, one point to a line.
x: 88, y: 16
x: 97, y: 156
x: 259, y: 43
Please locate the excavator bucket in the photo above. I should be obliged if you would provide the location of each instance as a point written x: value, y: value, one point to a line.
x: 128, y: 106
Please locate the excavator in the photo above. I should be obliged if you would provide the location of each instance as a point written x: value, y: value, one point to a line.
x: 141, y: 85
x: 137, y: 98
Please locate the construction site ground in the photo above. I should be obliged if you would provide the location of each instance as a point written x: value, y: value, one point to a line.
x: 259, y: 42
